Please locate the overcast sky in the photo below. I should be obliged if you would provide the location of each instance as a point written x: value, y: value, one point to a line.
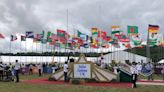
x: 18, y: 16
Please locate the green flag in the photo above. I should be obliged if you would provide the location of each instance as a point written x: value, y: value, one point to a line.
x: 49, y: 34
x: 23, y: 38
x: 132, y: 30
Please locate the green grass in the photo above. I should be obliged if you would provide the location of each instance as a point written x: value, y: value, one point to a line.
x: 34, y: 76
x: 25, y: 87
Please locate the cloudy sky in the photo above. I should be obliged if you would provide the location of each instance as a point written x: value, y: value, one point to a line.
x: 18, y: 16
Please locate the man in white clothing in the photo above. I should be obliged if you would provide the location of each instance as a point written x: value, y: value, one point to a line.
x: 40, y: 69
x: 17, y: 68
x: 134, y: 72
x: 139, y: 67
x: 1, y: 71
x: 65, y: 71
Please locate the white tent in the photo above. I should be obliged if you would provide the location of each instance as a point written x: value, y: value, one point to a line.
x: 121, y: 56
x: 161, y: 61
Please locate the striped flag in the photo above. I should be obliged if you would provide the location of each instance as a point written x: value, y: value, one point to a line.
x: 115, y: 29
x: 153, y: 34
x: 1, y: 36
x: 137, y: 41
x: 23, y: 38
x: 94, y: 32
x: 82, y: 36
x: 153, y: 28
x: 13, y: 38
x: 29, y: 34
x: 49, y: 34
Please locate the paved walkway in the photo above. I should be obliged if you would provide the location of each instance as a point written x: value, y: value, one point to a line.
x: 154, y: 82
x: 110, y: 84
x: 106, y: 84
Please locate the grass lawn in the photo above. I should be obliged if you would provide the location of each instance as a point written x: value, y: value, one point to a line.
x: 24, y: 87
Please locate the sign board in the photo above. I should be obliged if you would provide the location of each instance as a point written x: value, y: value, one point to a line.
x: 82, y: 70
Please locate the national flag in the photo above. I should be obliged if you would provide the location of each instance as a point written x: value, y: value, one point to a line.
x: 153, y: 34
x: 161, y: 41
x: 49, y: 34
x: 136, y: 41
x: 153, y: 28
x: 44, y: 41
x: 102, y: 34
x: 114, y: 42
x: 86, y: 45
x: 108, y: 39
x: 105, y: 46
x: 122, y: 38
x: 78, y: 41
x: 53, y: 42
x: 61, y: 33
x: 29, y: 34
x: 127, y: 45
x: 53, y: 37
x: 115, y: 29
x: 43, y: 34
x: 38, y: 37
x: 23, y: 38
x: 13, y: 38
x: 94, y: 32
x: 132, y: 30
x: 82, y: 36
x: 1, y: 36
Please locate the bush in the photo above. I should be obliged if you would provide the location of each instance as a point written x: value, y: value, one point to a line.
x: 114, y: 80
x: 51, y: 79
x: 75, y: 81
x: 91, y: 80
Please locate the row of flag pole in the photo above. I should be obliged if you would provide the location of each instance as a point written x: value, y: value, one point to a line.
x: 98, y: 39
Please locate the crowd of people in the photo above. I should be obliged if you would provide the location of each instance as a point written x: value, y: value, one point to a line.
x: 10, y: 72
x: 146, y: 69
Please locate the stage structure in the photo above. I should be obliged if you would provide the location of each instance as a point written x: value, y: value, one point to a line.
x: 84, y: 69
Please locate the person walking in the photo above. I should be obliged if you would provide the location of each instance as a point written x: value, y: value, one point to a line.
x: 149, y: 66
x: 1, y: 71
x: 134, y: 72
x: 17, y: 69
x: 30, y: 68
x: 40, y: 69
x: 65, y: 71
x: 139, y: 67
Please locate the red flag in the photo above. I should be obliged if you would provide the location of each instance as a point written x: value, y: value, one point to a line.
x: 53, y: 42
x: 102, y: 34
x: 1, y: 36
x: 61, y: 33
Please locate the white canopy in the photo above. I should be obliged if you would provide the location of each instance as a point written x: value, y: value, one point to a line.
x: 161, y: 61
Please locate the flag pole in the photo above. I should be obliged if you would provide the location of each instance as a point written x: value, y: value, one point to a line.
x: 26, y: 50
x: 130, y: 46
x: 32, y: 52
x: 67, y: 31
x: 20, y: 50
x: 46, y: 52
x: 36, y: 52
x: 10, y: 52
x: 111, y: 47
x: 148, y: 48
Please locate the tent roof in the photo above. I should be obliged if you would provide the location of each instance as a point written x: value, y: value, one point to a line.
x: 161, y: 61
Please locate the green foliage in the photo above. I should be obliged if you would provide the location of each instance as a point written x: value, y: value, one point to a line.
x: 90, y: 80
x: 51, y: 79
x: 75, y: 81
x: 114, y: 80
x: 156, y: 53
